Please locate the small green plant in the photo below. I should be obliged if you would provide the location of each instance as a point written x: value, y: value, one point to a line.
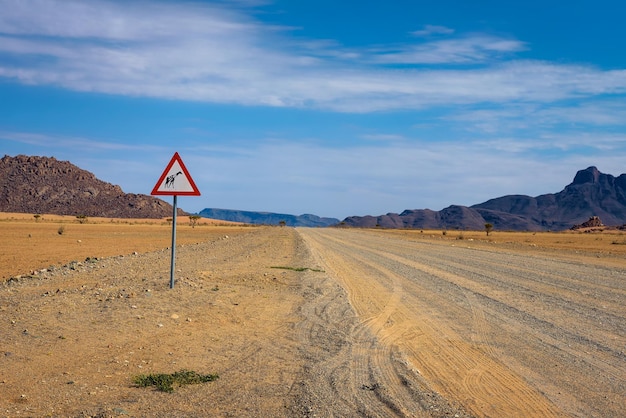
x: 165, y: 382
x: 81, y: 218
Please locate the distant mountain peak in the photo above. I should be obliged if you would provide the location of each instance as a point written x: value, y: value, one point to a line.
x: 588, y: 175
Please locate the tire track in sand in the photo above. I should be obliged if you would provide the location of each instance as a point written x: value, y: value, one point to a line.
x: 453, y: 366
x: 353, y: 372
x: 375, y: 378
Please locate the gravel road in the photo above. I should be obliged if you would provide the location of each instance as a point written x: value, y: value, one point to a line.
x: 496, y: 332
x: 318, y: 323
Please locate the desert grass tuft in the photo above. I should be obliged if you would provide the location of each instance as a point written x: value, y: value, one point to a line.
x: 165, y: 382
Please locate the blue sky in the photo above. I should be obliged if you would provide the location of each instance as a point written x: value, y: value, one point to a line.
x: 335, y: 108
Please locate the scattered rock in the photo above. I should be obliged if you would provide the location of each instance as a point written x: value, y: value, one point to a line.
x: 592, y: 222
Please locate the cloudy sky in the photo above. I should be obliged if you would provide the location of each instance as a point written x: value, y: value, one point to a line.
x: 335, y: 108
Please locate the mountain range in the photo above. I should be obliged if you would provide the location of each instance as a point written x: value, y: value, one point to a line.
x: 267, y: 218
x: 591, y: 193
x: 32, y: 184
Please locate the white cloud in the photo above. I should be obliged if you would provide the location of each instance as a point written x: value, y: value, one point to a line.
x: 433, y: 30
x: 474, y: 49
x: 384, y: 137
x: 599, y: 113
x: 204, y: 52
x: 115, y: 21
x: 571, y: 118
x: 46, y: 142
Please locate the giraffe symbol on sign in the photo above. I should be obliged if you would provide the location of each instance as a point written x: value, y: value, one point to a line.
x: 169, y: 181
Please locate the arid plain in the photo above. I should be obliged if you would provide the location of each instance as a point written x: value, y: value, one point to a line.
x: 309, y: 322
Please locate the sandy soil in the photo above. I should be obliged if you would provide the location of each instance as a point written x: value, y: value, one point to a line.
x: 310, y: 322
x: 28, y: 244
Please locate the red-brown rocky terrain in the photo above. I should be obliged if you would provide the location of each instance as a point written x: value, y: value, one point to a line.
x: 31, y: 184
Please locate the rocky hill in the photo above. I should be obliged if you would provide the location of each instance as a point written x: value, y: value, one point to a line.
x: 31, y: 184
x: 267, y: 218
x: 591, y: 193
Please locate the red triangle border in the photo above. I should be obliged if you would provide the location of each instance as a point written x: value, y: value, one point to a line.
x: 194, y: 192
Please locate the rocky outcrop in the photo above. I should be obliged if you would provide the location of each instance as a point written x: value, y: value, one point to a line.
x: 32, y: 184
x: 593, y: 222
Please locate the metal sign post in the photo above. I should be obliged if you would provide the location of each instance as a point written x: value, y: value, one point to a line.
x: 170, y: 184
x: 173, y: 260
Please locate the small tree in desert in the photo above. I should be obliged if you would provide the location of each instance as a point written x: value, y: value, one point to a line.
x: 193, y: 220
x: 488, y: 228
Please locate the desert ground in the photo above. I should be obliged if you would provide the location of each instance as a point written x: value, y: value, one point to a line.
x: 303, y: 322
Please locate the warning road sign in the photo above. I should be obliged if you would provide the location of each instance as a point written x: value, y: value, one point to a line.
x: 175, y: 180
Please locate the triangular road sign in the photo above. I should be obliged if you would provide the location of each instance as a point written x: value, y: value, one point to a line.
x: 175, y: 180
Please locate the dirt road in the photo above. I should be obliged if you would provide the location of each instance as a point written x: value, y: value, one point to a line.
x: 315, y: 323
x: 500, y: 333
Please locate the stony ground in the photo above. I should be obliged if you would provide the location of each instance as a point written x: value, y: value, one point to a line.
x: 318, y: 323
x: 74, y: 337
